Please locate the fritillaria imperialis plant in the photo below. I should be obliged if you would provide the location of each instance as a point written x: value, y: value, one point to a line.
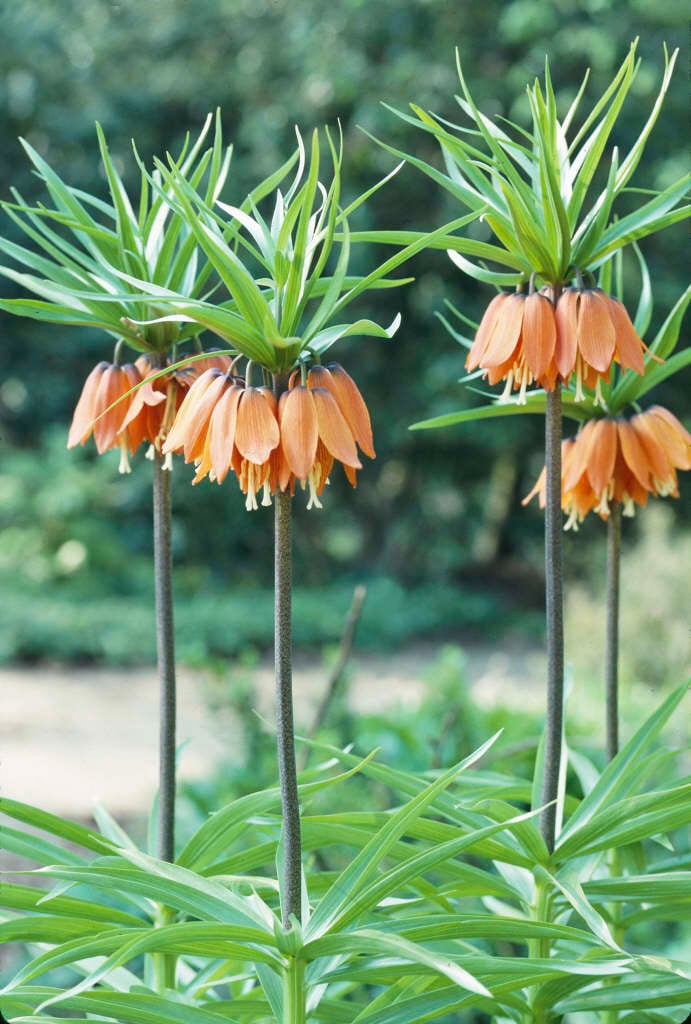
x: 286, y: 274
x: 81, y: 246
x: 553, y: 228
x: 621, y: 455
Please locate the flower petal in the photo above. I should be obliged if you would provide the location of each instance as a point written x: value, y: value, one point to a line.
x: 194, y: 413
x: 658, y: 459
x: 539, y: 333
x: 113, y: 386
x: 133, y: 426
x: 333, y: 429
x: 595, y: 330
x: 222, y: 432
x: 538, y: 489
x: 297, y: 417
x: 485, y: 331
x: 506, y: 332
x: 256, y: 430
x: 602, y: 455
x: 635, y: 455
x: 83, y: 418
x: 577, y: 464
x: 352, y: 405
x: 566, y: 322
x: 672, y: 434
x: 629, y: 346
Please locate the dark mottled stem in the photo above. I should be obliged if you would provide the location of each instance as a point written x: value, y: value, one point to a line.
x: 612, y: 629
x: 555, y: 616
x: 283, y: 649
x: 165, y: 645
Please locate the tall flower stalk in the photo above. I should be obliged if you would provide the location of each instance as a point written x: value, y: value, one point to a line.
x: 554, y: 611
x: 552, y: 231
x: 285, y: 729
x: 77, y: 269
x: 612, y: 630
x: 285, y: 732
x: 165, y: 651
x: 613, y: 465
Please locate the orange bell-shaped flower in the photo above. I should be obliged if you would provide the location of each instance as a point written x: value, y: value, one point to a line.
x: 102, y: 410
x: 620, y: 460
x: 322, y: 422
x: 516, y: 341
x: 593, y: 331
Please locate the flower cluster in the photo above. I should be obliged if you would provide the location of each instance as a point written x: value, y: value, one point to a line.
x: 620, y: 460
x: 226, y: 425
x: 525, y: 339
x: 119, y: 417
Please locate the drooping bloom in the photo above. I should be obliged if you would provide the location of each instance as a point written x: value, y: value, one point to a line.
x: 620, y: 460
x: 322, y: 422
x: 119, y: 419
x: 516, y: 341
x: 102, y: 409
x: 154, y: 405
x: 593, y: 331
x: 223, y: 425
x: 524, y: 339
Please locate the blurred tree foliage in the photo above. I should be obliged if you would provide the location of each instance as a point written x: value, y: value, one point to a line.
x: 434, y: 505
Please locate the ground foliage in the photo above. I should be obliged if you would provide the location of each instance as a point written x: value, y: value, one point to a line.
x: 432, y: 897
x: 153, y: 71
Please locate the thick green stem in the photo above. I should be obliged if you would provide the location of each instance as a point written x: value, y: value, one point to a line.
x: 165, y: 646
x: 294, y: 1009
x: 285, y: 733
x: 164, y: 964
x: 612, y: 629
x: 539, y: 948
x: 555, y: 617
x: 617, y: 929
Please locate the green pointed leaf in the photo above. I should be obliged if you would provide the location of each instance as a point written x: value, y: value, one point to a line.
x: 620, y: 777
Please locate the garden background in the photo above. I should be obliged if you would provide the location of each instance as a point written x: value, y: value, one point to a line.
x: 435, y: 528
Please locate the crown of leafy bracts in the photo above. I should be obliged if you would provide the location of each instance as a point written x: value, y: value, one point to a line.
x: 83, y: 246
x: 535, y: 188
x: 285, y: 270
